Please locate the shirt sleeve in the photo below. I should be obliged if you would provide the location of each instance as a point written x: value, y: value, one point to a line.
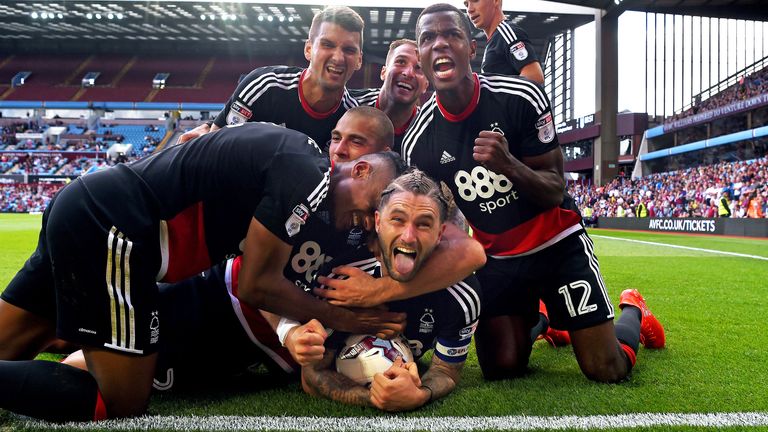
x: 537, y: 134
x: 519, y: 51
x: 453, y: 340
x: 237, y: 110
x: 290, y: 199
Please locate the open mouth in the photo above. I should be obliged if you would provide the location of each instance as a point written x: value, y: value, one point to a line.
x: 405, y: 259
x: 333, y: 70
x: 443, y: 67
x: 405, y: 86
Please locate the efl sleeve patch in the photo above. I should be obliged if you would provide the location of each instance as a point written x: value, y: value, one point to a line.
x: 546, y: 127
x: 452, y: 351
x: 238, y: 113
x: 519, y: 51
x: 298, y: 217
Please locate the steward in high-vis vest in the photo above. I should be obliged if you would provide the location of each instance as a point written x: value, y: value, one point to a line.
x: 642, y: 210
x: 723, y: 209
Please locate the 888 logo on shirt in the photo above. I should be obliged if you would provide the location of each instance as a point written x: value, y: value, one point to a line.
x: 306, y: 263
x: 482, y: 184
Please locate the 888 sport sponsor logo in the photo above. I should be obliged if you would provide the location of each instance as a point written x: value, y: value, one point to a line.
x: 481, y: 184
x: 306, y: 262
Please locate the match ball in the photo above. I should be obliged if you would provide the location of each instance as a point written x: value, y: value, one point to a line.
x: 363, y: 356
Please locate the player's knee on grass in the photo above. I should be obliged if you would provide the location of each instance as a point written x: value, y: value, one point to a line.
x: 503, y: 347
x: 605, y: 370
x: 125, y: 381
x: 503, y: 368
x: 599, y: 354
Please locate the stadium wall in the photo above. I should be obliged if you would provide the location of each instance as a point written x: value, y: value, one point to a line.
x: 721, y: 226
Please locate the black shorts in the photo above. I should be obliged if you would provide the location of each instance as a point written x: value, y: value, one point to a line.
x: 205, y: 340
x: 566, y: 276
x: 102, y: 257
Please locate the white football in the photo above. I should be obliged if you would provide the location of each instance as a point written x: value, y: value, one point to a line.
x: 363, y: 356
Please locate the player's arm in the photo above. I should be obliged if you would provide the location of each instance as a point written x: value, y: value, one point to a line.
x: 263, y: 286
x: 456, y: 257
x: 533, y: 72
x: 321, y: 380
x: 398, y: 389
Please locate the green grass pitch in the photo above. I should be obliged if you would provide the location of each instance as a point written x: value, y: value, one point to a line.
x: 713, y: 307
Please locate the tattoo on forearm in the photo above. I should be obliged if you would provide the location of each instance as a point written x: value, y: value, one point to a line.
x: 326, y: 382
x: 441, y: 377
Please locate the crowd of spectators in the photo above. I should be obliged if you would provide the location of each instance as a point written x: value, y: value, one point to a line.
x: 26, y: 198
x: 747, y: 87
x: 691, y: 192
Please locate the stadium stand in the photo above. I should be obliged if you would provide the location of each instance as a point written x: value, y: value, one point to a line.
x: 691, y: 192
x: 747, y: 87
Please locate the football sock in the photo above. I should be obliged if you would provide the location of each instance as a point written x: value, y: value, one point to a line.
x: 50, y: 391
x: 540, y: 328
x: 628, y: 332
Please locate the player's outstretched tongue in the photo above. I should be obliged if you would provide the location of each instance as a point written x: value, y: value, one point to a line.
x: 404, y: 260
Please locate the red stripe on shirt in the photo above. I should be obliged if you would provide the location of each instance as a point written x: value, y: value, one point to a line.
x: 528, y: 235
x: 259, y: 326
x: 187, y: 249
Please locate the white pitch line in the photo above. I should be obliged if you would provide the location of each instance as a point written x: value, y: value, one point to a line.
x: 683, y: 247
x: 435, y: 424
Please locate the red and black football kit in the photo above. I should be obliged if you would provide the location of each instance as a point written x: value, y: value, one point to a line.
x: 443, y: 321
x: 108, y: 237
x: 273, y: 94
x: 508, y: 50
x: 204, y: 314
x: 512, y: 229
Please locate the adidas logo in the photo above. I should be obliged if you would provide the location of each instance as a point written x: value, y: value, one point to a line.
x: 446, y: 157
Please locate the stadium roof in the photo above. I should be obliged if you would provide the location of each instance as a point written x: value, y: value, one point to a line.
x: 183, y: 25
x: 756, y: 10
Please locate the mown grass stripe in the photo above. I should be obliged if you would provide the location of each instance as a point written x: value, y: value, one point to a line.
x: 436, y: 424
x: 683, y: 247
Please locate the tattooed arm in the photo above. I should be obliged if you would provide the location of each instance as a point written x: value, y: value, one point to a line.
x: 398, y: 390
x: 322, y: 380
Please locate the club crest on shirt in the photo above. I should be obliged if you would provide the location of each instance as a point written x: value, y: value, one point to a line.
x: 519, y: 51
x: 298, y: 217
x: 427, y: 321
x: 546, y: 128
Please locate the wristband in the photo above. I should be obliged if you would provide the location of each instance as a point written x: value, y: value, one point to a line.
x: 283, y: 327
x: 209, y: 123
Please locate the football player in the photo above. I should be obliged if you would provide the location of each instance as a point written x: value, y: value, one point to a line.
x: 492, y: 139
x: 311, y: 99
x: 108, y: 237
x: 509, y: 51
x: 243, y: 336
x: 409, y: 222
x: 404, y: 84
